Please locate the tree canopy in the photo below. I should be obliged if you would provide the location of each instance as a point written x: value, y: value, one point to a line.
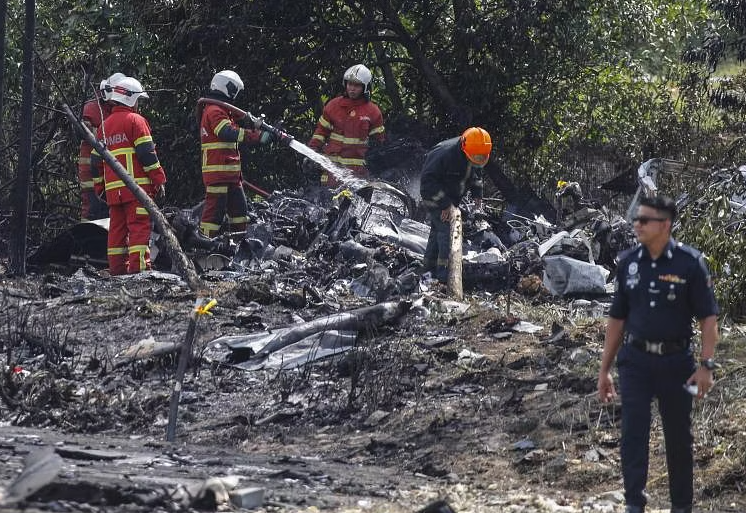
x: 544, y: 78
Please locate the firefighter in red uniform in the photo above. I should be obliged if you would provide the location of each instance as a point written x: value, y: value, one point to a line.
x: 94, y: 112
x: 221, y: 135
x: 347, y: 125
x: 91, y: 206
x: 127, y: 137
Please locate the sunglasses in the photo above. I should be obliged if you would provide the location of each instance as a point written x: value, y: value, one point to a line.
x: 646, y: 220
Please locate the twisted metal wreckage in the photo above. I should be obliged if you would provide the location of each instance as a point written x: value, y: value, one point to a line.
x: 370, y: 242
x: 309, y: 247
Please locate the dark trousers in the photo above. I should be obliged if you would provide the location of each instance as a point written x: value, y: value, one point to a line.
x: 642, y: 377
x: 438, y: 247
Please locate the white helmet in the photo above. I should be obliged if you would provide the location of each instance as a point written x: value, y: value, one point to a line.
x: 227, y: 82
x: 358, y: 73
x: 107, y: 84
x: 127, y: 91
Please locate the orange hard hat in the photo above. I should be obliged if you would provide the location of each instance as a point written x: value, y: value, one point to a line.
x: 476, y: 145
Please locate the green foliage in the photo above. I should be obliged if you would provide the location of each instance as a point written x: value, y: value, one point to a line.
x: 716, y: 225
x: 542, y: 77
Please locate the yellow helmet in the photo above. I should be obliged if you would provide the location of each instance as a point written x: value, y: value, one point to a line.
x: 476, y: 145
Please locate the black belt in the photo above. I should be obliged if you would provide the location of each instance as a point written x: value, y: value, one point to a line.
x: 659, y: 347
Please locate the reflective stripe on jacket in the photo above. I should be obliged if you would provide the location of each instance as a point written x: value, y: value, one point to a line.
x: 220, y: 136
x: 344, y: 129
x: 129, y: 141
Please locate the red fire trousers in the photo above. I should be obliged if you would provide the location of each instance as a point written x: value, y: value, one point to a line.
x: 129, y: 237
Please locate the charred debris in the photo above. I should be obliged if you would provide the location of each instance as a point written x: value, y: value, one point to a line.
x: 321, y: 284
x: 319, y: 247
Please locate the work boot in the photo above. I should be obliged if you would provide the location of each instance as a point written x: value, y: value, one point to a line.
x: 687, y: 509
x: 634, y: 509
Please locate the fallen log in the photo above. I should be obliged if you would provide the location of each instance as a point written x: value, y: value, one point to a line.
x: 182, y: 263
x: 455, y: 258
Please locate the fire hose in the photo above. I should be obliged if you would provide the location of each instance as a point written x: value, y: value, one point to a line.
x: 255, y: 121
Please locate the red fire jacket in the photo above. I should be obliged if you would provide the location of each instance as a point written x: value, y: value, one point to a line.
x: 91, y: 117
x: 221, y: 159
x: 344, y: 129
x: 128, y: 139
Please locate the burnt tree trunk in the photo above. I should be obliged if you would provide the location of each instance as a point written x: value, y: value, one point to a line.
x: 437, y: 84
x: 18, y: 241
x: 392, y: 88
x: 3, y: 15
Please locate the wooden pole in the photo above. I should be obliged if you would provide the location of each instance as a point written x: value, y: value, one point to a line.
x: 455, y: 258
x: 183, y: 264
x: 184, y: 357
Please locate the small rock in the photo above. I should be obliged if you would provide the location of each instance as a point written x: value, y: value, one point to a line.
x: 523, y: 445
x: 375, y: 418
x: 591, y: 455
x: 247, y: 498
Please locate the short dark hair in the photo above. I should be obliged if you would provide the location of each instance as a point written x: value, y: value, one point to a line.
x: 661, y: 204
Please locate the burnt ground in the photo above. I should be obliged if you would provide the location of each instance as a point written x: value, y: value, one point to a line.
x: 447, y: 403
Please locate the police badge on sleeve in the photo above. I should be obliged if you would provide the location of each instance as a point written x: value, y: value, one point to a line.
x: 633, y: 275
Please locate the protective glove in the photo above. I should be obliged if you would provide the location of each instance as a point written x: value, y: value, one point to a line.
x: 309, y: 167
x: 160, y: 192
x: 266, y: 138
x: 250, y: 121
x: 283, y: 138
x: 99, y: 209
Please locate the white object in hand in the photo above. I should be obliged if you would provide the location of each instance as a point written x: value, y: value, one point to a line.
x: 692, y: 389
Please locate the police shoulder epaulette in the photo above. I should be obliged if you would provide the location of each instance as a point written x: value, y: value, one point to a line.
x: 694, y: 253
x: 627, y: 252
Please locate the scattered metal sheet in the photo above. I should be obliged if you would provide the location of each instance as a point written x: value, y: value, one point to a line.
x: 310, y: 349
x: 564, y: 275
x: 259, y: 345
x: 76, y: 453
x: 526, y: 327
x: 318, y: 233
x: 41, y: 468
x: 86, y: 240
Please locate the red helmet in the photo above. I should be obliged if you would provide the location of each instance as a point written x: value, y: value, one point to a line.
x: 476, y: 145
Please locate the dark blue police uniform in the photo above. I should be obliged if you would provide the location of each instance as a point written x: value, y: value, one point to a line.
x: 658, y: 299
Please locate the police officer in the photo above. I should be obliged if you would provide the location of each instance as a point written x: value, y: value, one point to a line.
x: 661, y: 285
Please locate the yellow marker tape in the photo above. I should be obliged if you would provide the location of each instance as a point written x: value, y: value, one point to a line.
x: 205, y: 309
x: 346, y: 193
